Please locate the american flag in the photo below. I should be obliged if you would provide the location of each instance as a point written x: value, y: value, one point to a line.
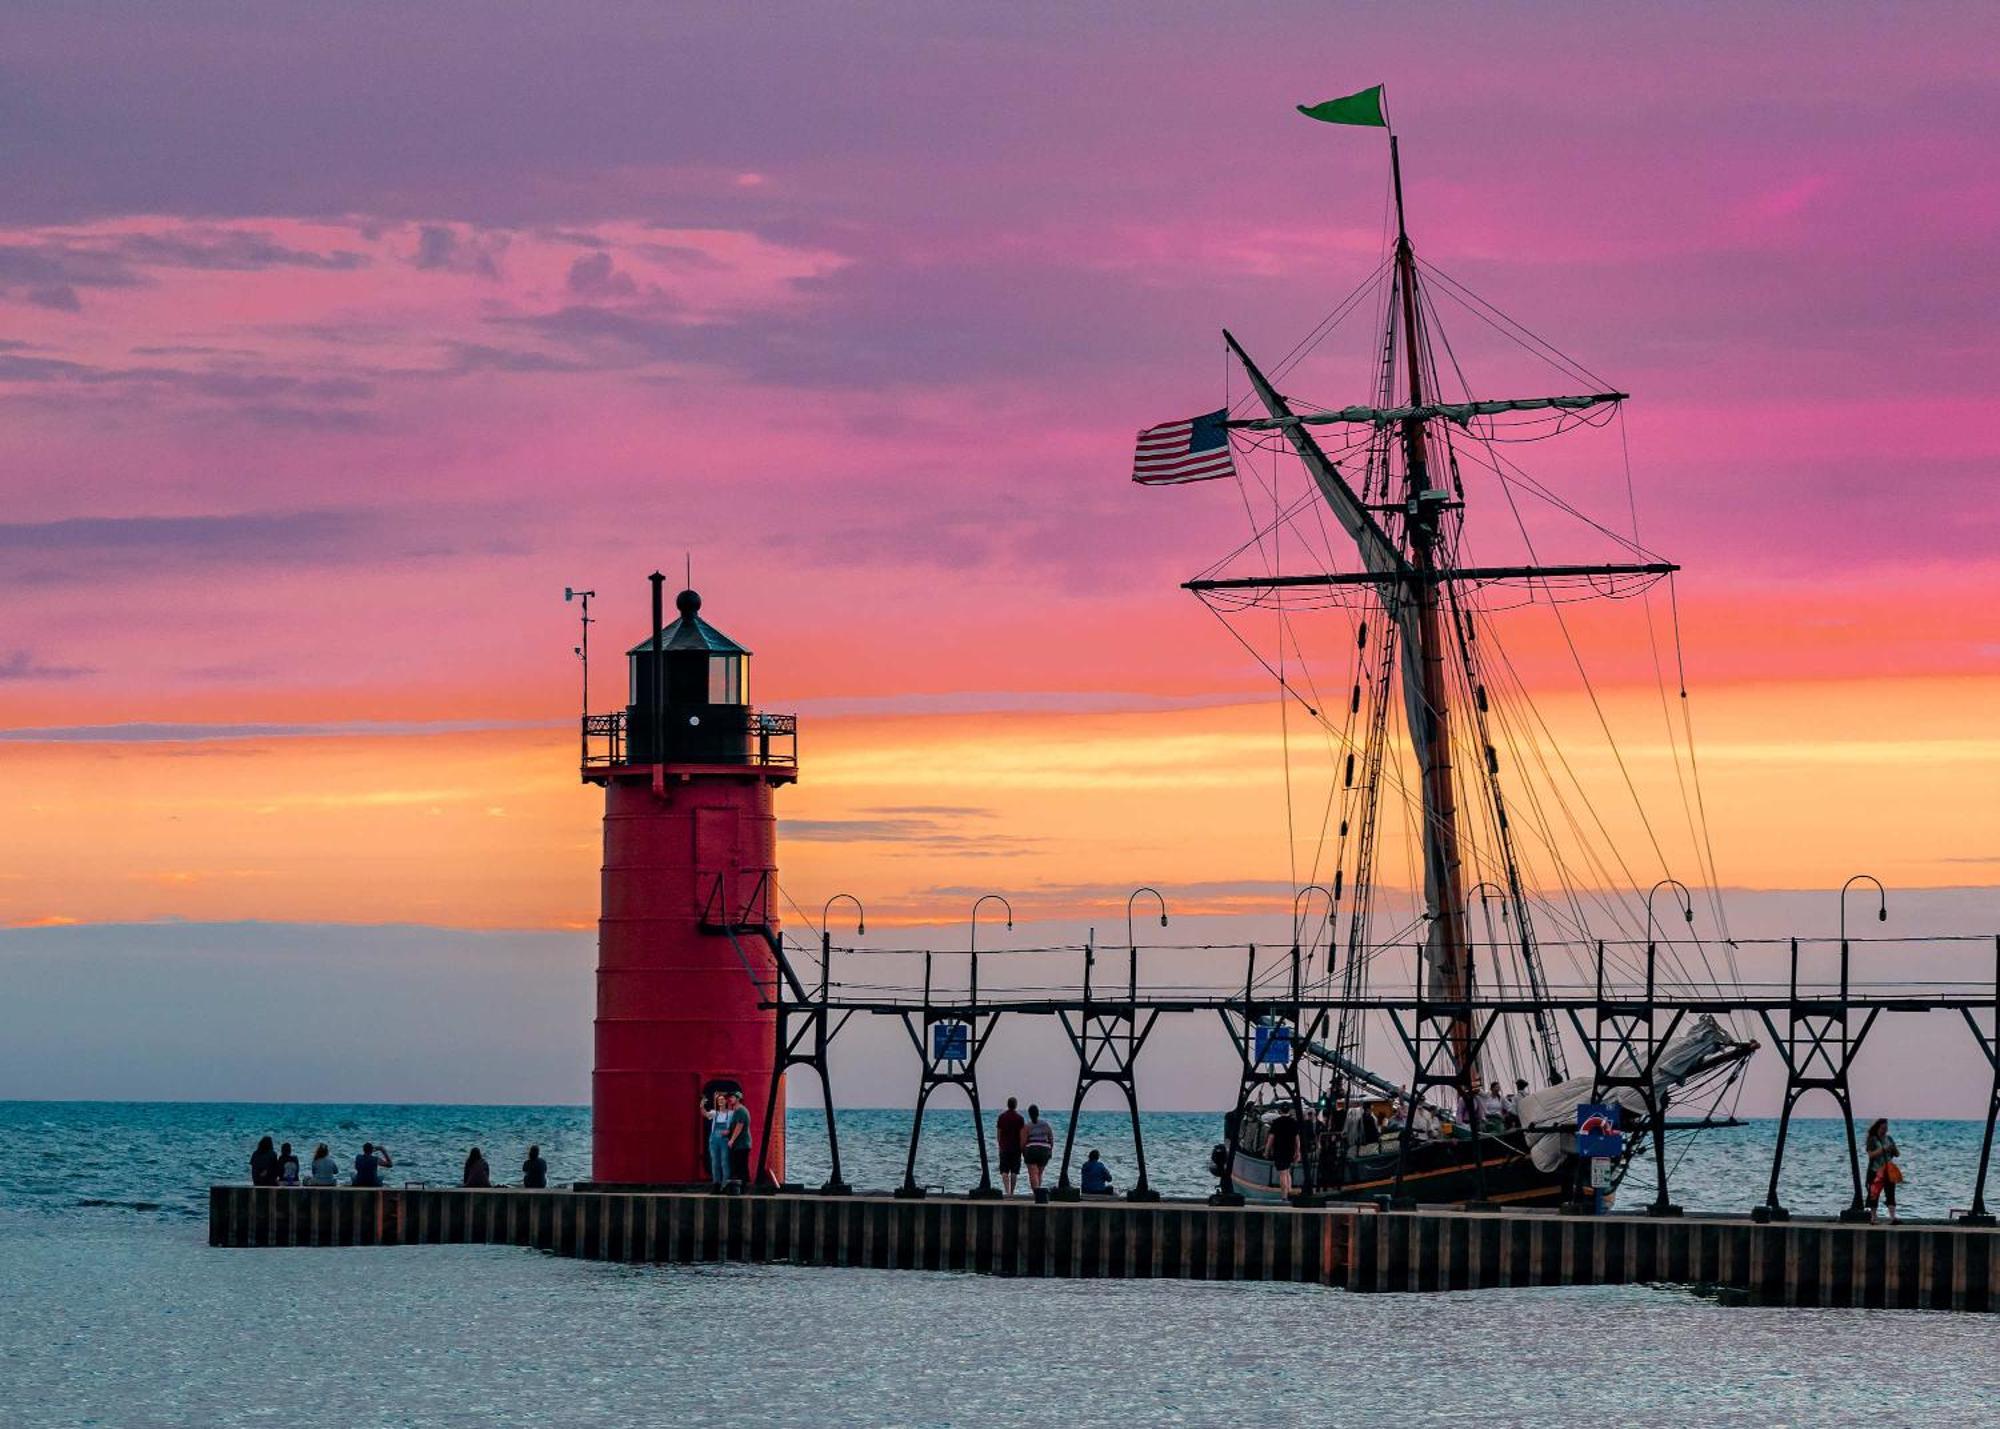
x: 1195, y: 449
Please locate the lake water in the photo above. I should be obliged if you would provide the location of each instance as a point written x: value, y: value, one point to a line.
x: 113, y: 1310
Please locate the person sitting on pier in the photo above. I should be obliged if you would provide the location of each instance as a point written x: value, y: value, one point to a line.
x: 478, y: 1175
x: 264, y: 1164
x: 288, y: 1166
x: 534, y: 1171
x: 1007, y: 1135
x: 1096, y: 1175
x: 1883, y: 1172
x: 325, y: 1170
x: 370, y: 1164
x: 1038, y: 1144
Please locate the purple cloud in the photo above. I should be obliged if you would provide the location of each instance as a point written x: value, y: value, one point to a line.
x: 24, y: 665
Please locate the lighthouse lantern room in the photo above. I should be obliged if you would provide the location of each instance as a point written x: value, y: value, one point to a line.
x: 688, y: 918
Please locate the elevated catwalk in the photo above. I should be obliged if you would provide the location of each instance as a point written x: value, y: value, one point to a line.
x: 1800, y: 1262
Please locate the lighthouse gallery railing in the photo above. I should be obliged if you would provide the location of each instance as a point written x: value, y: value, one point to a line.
x: 773, y: 742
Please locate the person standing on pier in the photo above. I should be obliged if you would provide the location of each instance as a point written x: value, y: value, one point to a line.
x: 1883, y: 1172
x: 1038, y: 1144
x: 716, y: 1109
x: 1284, y: 1148
x: 1007, y: 1134
x: 738, y: 1136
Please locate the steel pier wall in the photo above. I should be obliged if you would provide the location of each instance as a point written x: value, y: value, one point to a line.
x: 1789, y: 1263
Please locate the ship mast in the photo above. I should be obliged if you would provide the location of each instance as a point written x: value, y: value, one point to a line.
x: 1451, y: 961
x: 1409, y: 564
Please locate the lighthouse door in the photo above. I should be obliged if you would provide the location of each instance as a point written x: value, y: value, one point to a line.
x: 716, y: 857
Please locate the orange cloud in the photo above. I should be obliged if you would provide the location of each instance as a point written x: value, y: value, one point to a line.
x: 1803, y: 784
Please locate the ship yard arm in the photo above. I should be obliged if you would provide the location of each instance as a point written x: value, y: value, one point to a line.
x: 1460, y: 413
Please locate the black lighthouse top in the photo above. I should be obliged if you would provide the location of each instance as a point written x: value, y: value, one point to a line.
x: 694, y: 650
x: 691, y: 632
x: 687, y: 704
x: 690, y: 690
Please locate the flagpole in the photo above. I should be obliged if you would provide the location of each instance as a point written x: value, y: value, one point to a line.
x: 1396, y: 168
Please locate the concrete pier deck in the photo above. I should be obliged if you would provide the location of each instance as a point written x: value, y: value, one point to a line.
x: 1798, y: 1262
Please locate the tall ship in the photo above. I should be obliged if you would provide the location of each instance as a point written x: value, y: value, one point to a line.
x: 1459, y: 847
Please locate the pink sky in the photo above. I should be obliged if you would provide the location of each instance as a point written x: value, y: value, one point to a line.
x: 333, y: 347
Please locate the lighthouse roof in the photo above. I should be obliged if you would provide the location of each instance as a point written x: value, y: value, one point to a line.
x: 690, y: 632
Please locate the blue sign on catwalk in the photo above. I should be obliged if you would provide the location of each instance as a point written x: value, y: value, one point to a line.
x: 1597, y: 1132
x: 951, y: 1042
x: 1274, y: 1046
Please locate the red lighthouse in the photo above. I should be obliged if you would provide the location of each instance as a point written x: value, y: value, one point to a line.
x: 689, y: 899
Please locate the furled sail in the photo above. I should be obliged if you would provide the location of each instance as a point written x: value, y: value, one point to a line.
x: 1461, y: 413
x: 1554, y: 1108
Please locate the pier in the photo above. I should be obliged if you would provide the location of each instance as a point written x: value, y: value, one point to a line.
x: 1800, y: 1262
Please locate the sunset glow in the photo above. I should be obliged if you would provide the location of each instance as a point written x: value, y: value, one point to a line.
x: 304, y: 447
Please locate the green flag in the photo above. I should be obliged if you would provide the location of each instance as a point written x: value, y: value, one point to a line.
x: 1362, y: 108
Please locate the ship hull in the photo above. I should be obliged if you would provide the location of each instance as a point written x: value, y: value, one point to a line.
x: 1437, y: 1173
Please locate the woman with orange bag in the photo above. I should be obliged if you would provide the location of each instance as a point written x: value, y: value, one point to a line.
x: 1883, y: 1172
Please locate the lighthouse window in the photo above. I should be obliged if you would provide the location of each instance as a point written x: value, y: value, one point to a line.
x: 726, y: 681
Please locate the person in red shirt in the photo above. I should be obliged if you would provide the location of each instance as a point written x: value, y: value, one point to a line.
x: 1008, y: 1134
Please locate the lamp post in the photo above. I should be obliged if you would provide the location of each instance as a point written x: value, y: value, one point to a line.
x: 985, y: 1188
x: 1855, y: 1211
x: 1881, y: 903
x: 982, y: 898
x: 1303, y: 895
x: 860, y: 914
x: 1471, y: 961
x: 1681, y: 892
x: 1881, y: 916
x: 1142, y: 1190
x: 1473, y: 892
x: 826, y: 936
x: 1687, y: 916
x: 1132, y: 939
x: 1662, y: 1204
x: 833, y: 1185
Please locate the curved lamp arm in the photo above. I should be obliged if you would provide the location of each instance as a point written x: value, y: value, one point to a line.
x: 1881, y: 901
x: 975, y: 915
x: 1131, y: 939
x: 1305, y: 895
x: 1681, y: 892
x: 860, y: 913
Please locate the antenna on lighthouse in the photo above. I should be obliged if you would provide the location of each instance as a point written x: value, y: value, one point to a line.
x: 582, y: 651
